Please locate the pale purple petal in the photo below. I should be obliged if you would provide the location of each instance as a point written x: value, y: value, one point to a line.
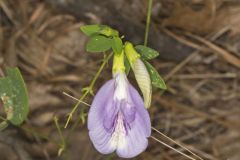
x: 100, y: 107
x: 129, y: 111
x: 139, y: 129
x: 136, y: 141
x: 110, y: 115
x: 99, y: 104
x: 142, y: 112
x: 101, y: 140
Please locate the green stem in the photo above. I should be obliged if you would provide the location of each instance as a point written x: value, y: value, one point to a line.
x: 99, y: 71
x: 76, y: 123
x: 88, y: 90
x: 149, y: 10
x: 63, y: 144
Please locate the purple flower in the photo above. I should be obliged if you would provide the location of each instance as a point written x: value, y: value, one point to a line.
x: 118, y: 120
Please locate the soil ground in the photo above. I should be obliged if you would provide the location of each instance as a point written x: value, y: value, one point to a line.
x: 199, y: 44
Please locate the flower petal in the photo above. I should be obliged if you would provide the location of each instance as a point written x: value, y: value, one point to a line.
x: 110, y: 115
x: 99, y: 104
x: 102, y: 140
x: 141, y: 110
x: 129, y: 111
x: 100, y: 107
x: 135, y: 141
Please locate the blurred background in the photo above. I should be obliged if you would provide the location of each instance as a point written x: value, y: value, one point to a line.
x: 199, y: 45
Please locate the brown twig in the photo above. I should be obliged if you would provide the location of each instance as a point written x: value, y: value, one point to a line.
x: 230, y: 58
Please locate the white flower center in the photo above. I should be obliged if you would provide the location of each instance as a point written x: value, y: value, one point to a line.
x: 118, y: 139
x: 121, y: 91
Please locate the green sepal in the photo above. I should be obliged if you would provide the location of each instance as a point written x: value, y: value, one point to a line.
x: 127, y: 65
x: 118, y: 63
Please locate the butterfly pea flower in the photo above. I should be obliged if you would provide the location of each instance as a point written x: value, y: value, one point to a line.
x: 141, y: 73
x: 117, y: 120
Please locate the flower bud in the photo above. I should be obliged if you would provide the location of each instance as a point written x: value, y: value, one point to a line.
x: 140, y: 72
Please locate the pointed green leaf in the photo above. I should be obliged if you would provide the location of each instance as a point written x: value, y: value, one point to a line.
x: 146, y: 52
x: 14, y: 96
x: 98, y: 43
x: 117, y: 45
x: 157, y: 80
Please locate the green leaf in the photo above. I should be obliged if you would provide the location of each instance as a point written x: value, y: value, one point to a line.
x: 14, y: 96
x: 90, y: 30
x: 127, y: 65
x: 98, y: 43
x: 146, y: 52
x: 117, y: 45
x: 157, y: 80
